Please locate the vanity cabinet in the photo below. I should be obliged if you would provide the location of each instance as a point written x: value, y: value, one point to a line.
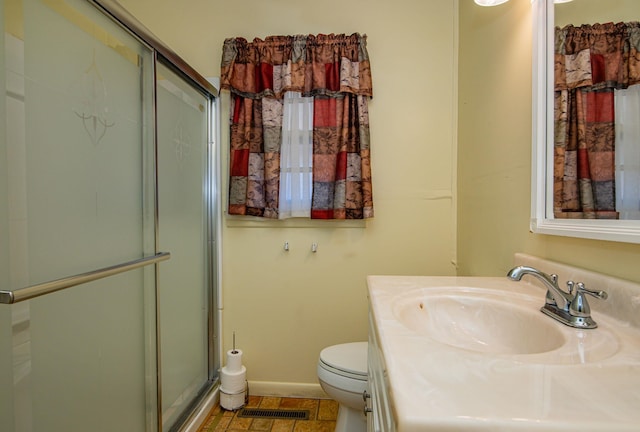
x: 378, y: 403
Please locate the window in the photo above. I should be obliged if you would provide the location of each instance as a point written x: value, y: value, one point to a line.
x: 296, y: 156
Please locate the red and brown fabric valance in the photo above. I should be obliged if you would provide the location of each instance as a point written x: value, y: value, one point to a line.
x: 313, y: 65
x: 597, y: 56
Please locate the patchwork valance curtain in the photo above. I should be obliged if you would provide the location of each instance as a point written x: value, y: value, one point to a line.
x: 591, y: 61
x: 335, y: 71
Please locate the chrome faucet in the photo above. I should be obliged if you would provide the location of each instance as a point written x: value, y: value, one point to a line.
x: 569, y: 308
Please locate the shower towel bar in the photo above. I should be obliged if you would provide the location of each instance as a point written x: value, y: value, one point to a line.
x: 9, y: 297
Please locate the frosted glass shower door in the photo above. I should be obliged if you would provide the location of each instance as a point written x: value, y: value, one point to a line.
x: 183, y: 282
x: 78, y: 195
x: 6, y: 376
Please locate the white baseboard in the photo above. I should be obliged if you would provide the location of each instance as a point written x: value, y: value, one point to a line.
x: 286, y: 389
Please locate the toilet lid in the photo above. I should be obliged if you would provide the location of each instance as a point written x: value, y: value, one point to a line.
x: 349, y: 357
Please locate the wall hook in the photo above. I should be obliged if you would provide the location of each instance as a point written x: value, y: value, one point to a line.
x: 286, y: 246
x: 314, y: 247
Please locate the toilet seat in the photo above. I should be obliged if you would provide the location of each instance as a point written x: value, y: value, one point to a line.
x: 348, y: 360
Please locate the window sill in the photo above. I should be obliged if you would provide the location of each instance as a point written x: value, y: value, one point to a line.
x: 256, y: 222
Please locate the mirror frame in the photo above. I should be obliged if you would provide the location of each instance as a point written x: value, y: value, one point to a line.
x: 542, y: 133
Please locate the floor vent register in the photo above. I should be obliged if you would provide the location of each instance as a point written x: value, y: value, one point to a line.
x: 274, y: 413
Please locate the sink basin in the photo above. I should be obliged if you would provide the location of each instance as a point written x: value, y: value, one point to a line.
x: 478, y: 320
x: 476, y: 354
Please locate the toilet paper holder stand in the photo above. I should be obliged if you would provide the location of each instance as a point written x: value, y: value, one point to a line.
x: 245, y: 391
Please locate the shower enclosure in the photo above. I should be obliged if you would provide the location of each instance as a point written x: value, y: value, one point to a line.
x: 108, y: 224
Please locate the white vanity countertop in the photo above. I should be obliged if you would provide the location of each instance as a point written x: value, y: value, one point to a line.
x: 438, y: 387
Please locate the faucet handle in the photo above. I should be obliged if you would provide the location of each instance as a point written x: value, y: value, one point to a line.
x: 579, y: 306
x: 597, y: 294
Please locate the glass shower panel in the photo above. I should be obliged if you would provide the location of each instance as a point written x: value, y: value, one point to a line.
x: 6, y: 384
x: 6, y: 376
x: 80, y: 182
x: 87, y: 360
x: 83, y: 139
x: 182, y: 122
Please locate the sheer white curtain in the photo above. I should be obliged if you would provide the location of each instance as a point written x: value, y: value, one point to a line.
x: 296, y: 156
x: 628, y: 152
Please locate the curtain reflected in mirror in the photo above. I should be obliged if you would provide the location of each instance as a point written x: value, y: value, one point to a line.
x: 596, y: 154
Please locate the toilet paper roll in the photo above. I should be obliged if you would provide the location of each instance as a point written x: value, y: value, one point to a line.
x: 233, y: 382
x: 232, y: 401
x: 234, y: 360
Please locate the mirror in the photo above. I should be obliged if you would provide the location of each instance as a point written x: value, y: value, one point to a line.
x: 561, y: 142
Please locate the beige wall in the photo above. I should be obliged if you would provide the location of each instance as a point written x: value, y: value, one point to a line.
x: 596, y: 11
x: 285, y: 307
x: 494, y: 149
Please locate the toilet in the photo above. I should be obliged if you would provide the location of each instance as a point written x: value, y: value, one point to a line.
x: 342, y: 372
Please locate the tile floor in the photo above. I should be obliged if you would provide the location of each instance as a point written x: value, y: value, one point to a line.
x: 322, y: 416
